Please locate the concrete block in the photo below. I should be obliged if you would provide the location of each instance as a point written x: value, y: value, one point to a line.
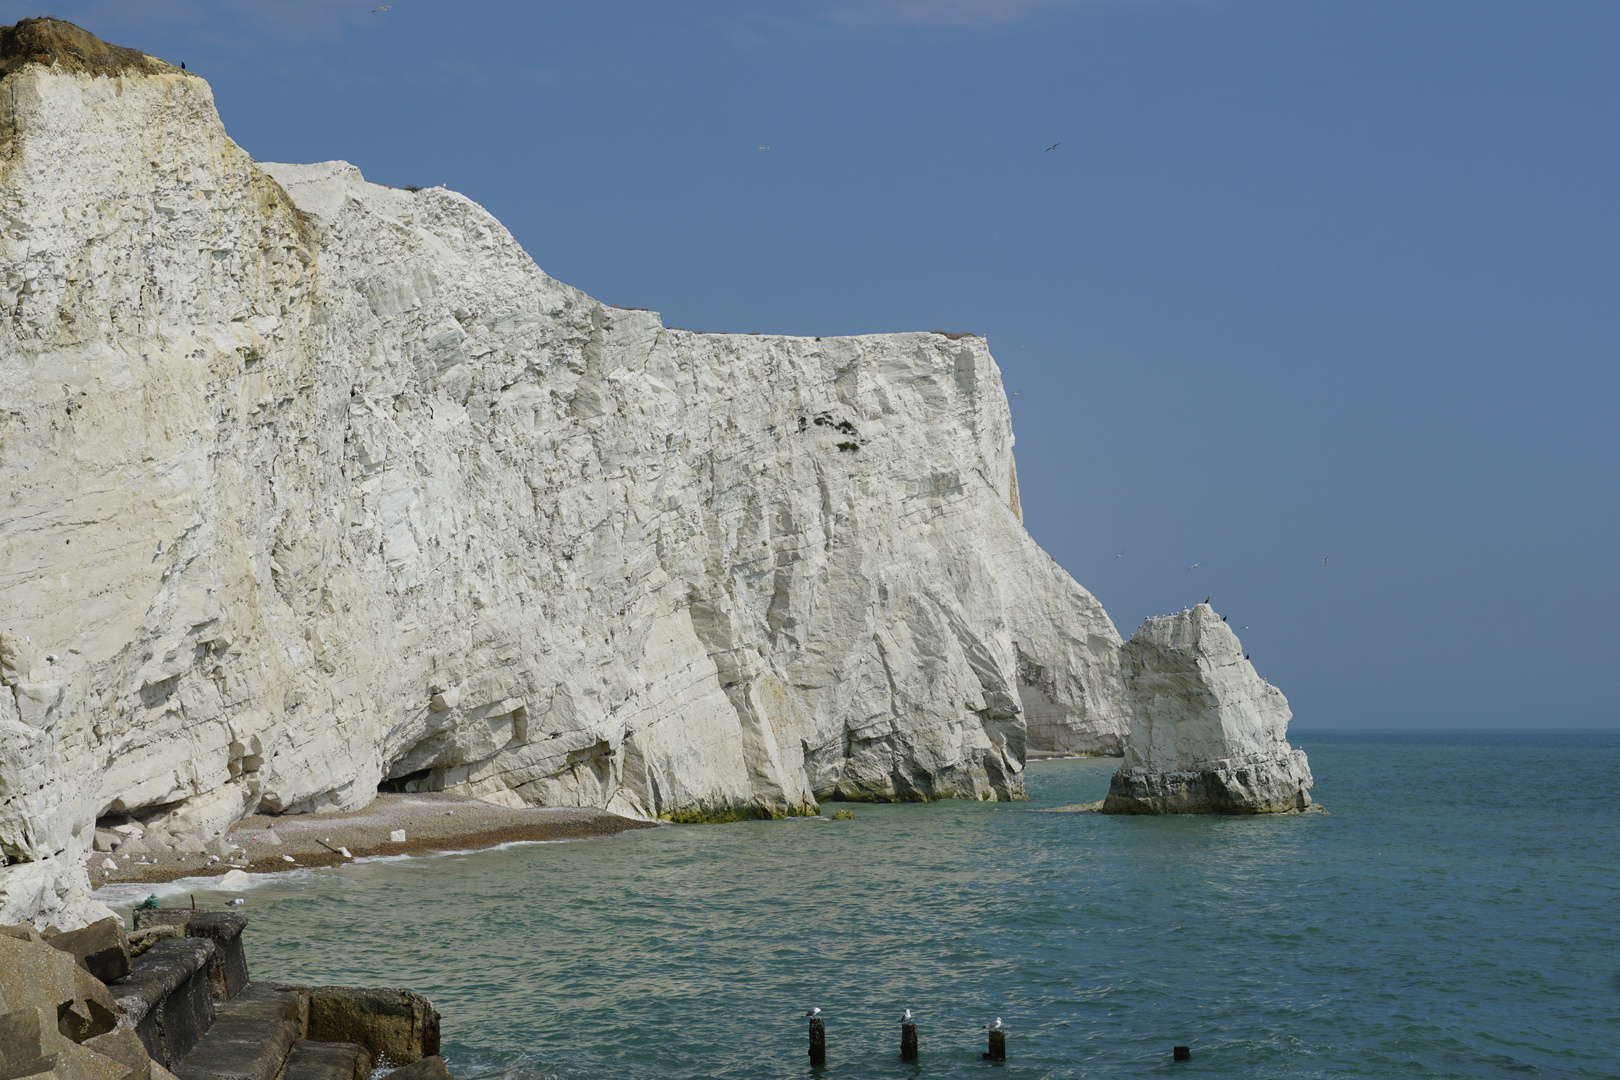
x: 100, y: 948
x: 397, y: 1027
x: 33, y: 974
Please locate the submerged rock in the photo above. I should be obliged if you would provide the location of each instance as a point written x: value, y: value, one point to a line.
x: 1207, y: 734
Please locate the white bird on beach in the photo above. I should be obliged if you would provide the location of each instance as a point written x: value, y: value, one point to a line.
x: 905, y: 1017
x: 815, y: 1011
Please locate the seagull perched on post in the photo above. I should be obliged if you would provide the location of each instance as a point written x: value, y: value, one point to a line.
x: 995, y: 1026
x: 814, y: 1012
x: 905, y: 1017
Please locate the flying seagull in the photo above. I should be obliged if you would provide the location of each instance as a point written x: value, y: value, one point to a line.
x: 1324, y: 560
x: 1051, y: 148
x: 1017, y: 392
x: 1121, y: 555
x: 905, y: 1017
x: 814, y: 1012
x: 764, y: 148
x: 385, y: 7
x: 1195, y: 566
x: 995, y: 1026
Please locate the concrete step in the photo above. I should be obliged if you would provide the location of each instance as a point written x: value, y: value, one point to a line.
x: 251, y: 1036
x: 327, y: 1061
x: 167, y: 998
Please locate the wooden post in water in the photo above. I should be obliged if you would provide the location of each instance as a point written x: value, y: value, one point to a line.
x: 998, y: 1046
x: 818, y: 1041
x: 1181, y: 1053
x: 908, y: 1042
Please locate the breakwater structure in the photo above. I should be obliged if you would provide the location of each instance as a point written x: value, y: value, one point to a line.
x: 172, y: 1000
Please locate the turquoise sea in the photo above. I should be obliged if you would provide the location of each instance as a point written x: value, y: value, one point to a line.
x: 1456, y: 915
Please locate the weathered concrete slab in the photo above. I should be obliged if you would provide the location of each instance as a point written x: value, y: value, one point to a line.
x: 228, y: 971
x: 166, y: 997
x: 250, y: 1039
x: 327, y: 1061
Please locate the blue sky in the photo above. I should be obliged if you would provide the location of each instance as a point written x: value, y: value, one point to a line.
x: 1300, y: 282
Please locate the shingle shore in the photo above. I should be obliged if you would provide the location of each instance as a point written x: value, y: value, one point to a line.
x: 431, y: 822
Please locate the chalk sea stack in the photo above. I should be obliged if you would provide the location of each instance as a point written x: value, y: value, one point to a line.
x: 1207, y: 734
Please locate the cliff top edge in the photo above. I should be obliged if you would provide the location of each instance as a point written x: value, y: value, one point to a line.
x: 56, y: 43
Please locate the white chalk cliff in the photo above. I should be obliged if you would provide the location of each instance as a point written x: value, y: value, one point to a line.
x: 310, y: 483
x: 1207, y: 733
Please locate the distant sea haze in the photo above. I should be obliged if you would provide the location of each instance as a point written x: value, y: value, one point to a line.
x: 1453, y: 916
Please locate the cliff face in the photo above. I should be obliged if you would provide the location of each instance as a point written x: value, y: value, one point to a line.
x: 311, y: 484
x: 1207, y: 734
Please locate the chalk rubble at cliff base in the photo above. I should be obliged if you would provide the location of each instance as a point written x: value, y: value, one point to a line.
x: 1207, y: 734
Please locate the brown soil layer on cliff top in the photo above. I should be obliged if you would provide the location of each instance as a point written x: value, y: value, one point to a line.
x: 432, y: 822
x: 51, y: 41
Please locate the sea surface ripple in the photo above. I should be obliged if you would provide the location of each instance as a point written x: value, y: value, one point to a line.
x: 1457, y: 915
